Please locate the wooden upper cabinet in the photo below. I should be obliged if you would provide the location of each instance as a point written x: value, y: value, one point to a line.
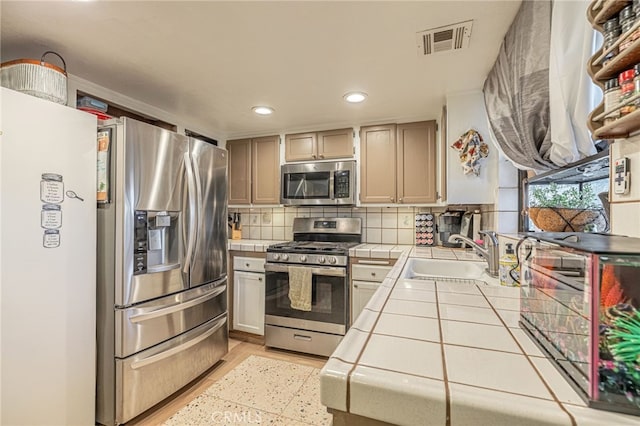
x: 335, y: 144
x: 239, y: 171
x: 299, y: 147
x: 398, y: 163
x: 378, y: 164
x: 319, y: 145
x: 254, y: 170
x: 266, y: 170
x: 416, y: 144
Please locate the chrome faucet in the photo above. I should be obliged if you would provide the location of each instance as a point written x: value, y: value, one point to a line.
x: 491, y: 253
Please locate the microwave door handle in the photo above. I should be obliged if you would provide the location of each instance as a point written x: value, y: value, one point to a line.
x: 331, y: 185
x: 192, y: 212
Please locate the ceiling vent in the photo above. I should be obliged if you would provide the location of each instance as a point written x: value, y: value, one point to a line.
x: 444, y: 39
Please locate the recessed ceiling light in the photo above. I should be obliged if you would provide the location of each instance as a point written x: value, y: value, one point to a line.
x: 355, y: 97
x: 262, y: 110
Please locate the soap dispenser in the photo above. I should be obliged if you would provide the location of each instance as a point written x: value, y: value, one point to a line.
x: 509, y: 263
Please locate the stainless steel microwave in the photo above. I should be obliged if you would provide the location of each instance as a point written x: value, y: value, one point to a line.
x: 318, y: 184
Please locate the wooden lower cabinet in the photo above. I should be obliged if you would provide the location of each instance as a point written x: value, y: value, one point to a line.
x: 398, y: 163
x: 254, y: 170
x: 246, y: 293
x: 366, y: 276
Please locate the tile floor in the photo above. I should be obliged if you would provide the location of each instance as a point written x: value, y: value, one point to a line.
x: 262, y: 391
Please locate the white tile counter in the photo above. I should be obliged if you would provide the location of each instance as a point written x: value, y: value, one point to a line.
x: 251, y: 245
x: 422, y: 351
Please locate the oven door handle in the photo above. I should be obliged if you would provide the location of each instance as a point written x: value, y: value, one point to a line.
x: 315, y: 270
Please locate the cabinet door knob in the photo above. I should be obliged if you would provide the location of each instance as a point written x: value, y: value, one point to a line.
x: 373, y: 274
x: 260, y: 279
x: 355, y: 286
x: 391, y: 198
x: 247, y: 265
x: 321, y: 155
x: 313, y: 156
x: 399, y: 200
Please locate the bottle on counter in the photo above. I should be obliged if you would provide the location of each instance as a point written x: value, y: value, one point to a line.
x: 509, y: 268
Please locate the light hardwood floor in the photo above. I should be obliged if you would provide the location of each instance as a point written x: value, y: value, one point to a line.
x: 238, y: 352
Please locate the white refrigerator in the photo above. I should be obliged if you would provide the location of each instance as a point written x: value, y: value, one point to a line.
x: 47, y: 262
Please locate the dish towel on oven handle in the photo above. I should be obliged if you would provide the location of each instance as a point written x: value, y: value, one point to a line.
x: 300, y: 287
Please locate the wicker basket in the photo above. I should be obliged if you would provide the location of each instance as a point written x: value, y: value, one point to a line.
x: 36, y: 78
x: 553, y: 219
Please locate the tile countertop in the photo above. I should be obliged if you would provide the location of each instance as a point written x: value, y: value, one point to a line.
x: 422, y: 351
x: 251, y: 245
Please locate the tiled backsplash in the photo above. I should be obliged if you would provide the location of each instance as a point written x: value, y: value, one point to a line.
x: 385, y: 225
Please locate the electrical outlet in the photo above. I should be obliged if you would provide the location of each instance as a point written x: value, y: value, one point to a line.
x: 621, y: 176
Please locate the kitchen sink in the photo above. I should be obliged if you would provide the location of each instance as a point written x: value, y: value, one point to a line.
x: 449, y: 270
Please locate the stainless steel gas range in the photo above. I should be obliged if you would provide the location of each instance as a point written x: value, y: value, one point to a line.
x: 320, y: 252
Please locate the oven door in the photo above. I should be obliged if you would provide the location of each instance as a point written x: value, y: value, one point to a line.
x: 329, y: 298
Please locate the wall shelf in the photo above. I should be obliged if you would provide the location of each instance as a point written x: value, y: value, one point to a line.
x: 600, y: 11
x: 594, y: 167
x: 621, y: 128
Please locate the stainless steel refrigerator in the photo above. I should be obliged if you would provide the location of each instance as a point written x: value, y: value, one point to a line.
x: 162, y: 265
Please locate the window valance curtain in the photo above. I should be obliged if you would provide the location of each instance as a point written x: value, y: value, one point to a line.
x: 520, y: 105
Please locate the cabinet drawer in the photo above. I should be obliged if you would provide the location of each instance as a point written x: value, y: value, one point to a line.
x: 250, y: 264
x: 148, y: 377
x: 148, y: 324
x: 370, y: 272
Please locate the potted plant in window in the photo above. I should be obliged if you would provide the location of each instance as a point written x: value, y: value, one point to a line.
x: 556, y: 209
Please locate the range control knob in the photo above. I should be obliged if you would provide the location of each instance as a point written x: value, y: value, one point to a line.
x: 322, y: 259
x: 285, y: 257
x: 276, y: 256
x: 332, y: 260
x: 303, y: 258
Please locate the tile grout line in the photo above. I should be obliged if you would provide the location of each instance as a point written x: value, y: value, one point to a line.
x: 445, y: 377
x: 370, y: 333
x: 544, y: 382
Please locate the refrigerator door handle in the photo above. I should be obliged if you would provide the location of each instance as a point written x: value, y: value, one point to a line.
x: 178, y: 306
x: 166, y: 354
x: 199, y: 212
x: 192, y: 213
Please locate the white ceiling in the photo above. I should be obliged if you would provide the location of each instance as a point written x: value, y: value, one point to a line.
x: 212, y: 61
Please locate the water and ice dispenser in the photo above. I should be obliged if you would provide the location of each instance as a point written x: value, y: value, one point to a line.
x: 155, y: 241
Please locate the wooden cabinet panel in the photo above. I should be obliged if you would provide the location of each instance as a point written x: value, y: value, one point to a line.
x: 335, y: 144
x: 266, y: 170
x: 417, y: 162
x: 239, y: 171
x: 378, y: 164
x: 325, y: 145
x: 248, y: 302
x: 361, y: 293
x: 300, y: 147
